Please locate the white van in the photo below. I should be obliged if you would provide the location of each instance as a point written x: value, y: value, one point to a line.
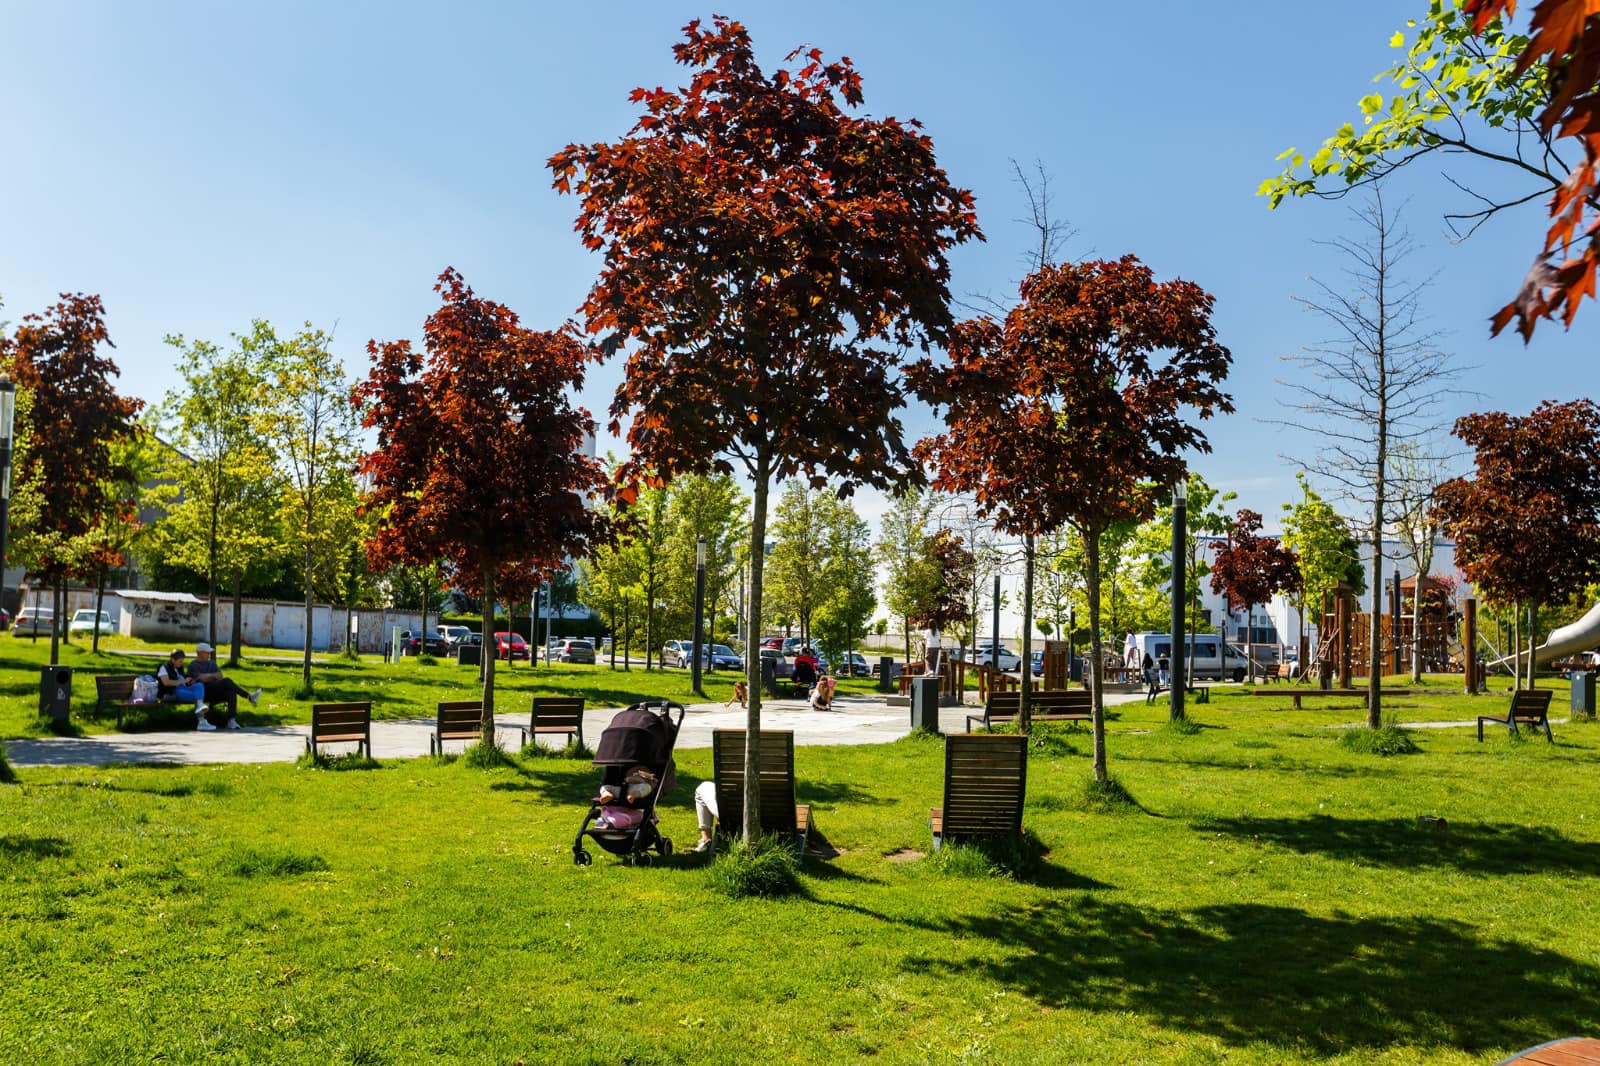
x: 1203, y: 655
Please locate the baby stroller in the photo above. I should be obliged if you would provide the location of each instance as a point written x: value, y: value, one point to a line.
x: 638, y: 739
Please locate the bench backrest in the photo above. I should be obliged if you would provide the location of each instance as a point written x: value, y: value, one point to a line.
x: 985, y: 780
x: 557, y: 711
x: 114, y: 686
x: 1531, y: 703
x: 777, y: 778
x: 1043, y: 701
x: 459, y: 719
x: 340, y: 720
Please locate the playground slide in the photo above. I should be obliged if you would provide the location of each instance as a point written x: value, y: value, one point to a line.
x: 1582, y: 635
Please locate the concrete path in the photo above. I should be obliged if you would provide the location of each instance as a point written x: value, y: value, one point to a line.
x: 854, y: 720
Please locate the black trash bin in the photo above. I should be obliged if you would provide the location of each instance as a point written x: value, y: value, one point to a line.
x: 55, y: 692
x: 1583, y: 693
x: 885, y: 674
x: 470, y: 655
x: 925, y: 704
x: 769, y: 676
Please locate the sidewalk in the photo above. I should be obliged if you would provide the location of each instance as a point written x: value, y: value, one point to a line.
x: 854, y: 720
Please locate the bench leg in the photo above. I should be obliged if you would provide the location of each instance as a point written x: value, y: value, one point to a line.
x: 1480, y: 731
x: 1547, y: 734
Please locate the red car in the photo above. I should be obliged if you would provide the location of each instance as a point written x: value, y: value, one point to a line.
x: 510, y: 646
x: 775, y: 643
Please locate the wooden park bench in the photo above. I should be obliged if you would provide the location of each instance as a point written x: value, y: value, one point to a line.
x: 1048, y: 705
x: 1529, y: 707
x: 341, y: 723
x: 1283, y: 672
x: 116, y: 690
x: 985, y: 780
x: 555, y: 714
x: 1328, y: 693
x: 779, y: 812
x: 458, y: 720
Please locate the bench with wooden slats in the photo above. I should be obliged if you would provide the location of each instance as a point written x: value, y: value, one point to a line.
x: 985, y: 781
x: 1529, y: 707
x: 1048, y: 705
x: 557, y: 715
x: 458, y: 720
x: 779, y: 812
x: 116, y: 690
x: 341, y: 723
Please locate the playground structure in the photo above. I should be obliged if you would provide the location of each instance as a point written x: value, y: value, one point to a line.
x: 1580, y: 636
x: 1422, y: 623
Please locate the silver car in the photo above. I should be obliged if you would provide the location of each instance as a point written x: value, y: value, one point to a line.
x: 575, y: 651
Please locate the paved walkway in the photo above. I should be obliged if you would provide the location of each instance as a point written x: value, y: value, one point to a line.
x: 854, y: 720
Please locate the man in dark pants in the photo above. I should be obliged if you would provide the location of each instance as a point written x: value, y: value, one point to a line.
x: 219, y: 689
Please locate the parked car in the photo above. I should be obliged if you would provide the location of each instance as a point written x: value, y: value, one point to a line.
x: 5, y: 618
x: 775, y: 643
x: 511, y: 646
x: 984, y: 655
x: 87, y: 621
x: 415, y: 644
x: 574, y: 651
x: 855, y: 665
x: 783, y: 667
x: 453, y: 635
x: 32, y: 621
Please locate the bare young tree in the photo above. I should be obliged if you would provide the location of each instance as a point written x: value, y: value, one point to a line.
x: 1371, y: 388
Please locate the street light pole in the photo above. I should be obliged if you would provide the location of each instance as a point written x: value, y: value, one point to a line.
x: 699, y: 605
x: 1180, y: 544
x: 8, y: 397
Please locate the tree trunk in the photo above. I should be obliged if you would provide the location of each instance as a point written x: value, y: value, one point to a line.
x: 752, y: 737
x: 211, y: 573
x: 305, y: 660
x: 236, y: 644
x: 58, y: 610
x: 1375, y: 619
x: 486, y: 723
x: 422, y: 649
x: 1533, y: 641
x: 1097, y: 663
x: 1516, y: 646
x: 1025, y: 703
x: 99, y: 606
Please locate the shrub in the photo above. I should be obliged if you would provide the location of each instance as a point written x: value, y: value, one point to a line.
x: 765, y: 867
x: 304, y: 691
x: 1013, y: 857
x: 483, y: 756
x: 272, y: 861
x: 8, y: 776
x: 353, y: 760
x: 1105, y: 797
x: 1388, y: 739
x: 574, y: 750
x: 1183, y: 727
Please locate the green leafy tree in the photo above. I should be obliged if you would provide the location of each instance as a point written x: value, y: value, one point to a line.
x: 1204, y: 517
x: 849, y: 576
x: 798, y: 563
x: 221, y: 486
x: 911, y: 575
x: 1325, y: 550
x: 714, y: 508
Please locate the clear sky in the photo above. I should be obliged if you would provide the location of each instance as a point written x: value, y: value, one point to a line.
x: 202, y: 165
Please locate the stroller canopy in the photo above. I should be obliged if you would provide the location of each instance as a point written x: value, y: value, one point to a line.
x: 635, y: 736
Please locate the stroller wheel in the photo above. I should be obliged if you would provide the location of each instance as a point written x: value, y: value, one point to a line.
x: 581, y: 857
x: 644, y: 858
x: 664, y: 846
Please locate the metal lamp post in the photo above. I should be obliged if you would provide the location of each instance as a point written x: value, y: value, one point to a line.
x: 1180, y: 542
x: 699, y: 605
x: 8, y: 410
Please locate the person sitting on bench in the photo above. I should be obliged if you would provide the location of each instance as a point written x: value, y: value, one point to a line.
x: 218, y: 688
x: 177, y: 687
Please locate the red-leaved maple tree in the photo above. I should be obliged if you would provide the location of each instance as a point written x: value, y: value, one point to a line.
x: 1565, y: 36
x: 1249, y: 568
x: 72, y: 456
x: 1527, y: 524
x: 767, y: 255
x: 479, y: 454
x: 1064, y: 414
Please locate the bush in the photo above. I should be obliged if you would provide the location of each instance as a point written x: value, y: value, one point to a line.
x: 1013, y: 857
x: 8, y: 776
x: 574, y: 750
x: 765, y: 867
x: 1183, y: 727
x: 354, y: 760
x: 272, y: 861
x: 1105, y: 797
x: 1388, y: 739
x: 304, y: 691
x: 483, y: 756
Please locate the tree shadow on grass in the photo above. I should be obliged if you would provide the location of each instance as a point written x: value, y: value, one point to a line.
x: 34, y: 847
x: 1248, y: 973
x: 813, y: 791
x: 1269, y: 762
x: 1472, y: 847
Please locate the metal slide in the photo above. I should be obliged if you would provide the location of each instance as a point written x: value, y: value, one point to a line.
x: 1582, y: 635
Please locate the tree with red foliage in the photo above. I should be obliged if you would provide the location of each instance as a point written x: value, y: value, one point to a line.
x: 1250, y: 568
x: 478, y: 459
x: 1527, y: 526
x: 1565, y: 36
x: 1062, y: 415
x: 767, y: 255
x: 72, y: 453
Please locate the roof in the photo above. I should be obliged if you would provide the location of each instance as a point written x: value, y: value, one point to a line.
x: 163, y: 597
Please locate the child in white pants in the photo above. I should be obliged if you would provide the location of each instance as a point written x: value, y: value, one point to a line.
x: 705, y: 810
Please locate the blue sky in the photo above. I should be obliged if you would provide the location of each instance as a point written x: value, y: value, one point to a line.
x: 203, y: 165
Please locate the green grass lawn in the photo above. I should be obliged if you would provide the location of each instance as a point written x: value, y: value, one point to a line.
x: 1271, y: 898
